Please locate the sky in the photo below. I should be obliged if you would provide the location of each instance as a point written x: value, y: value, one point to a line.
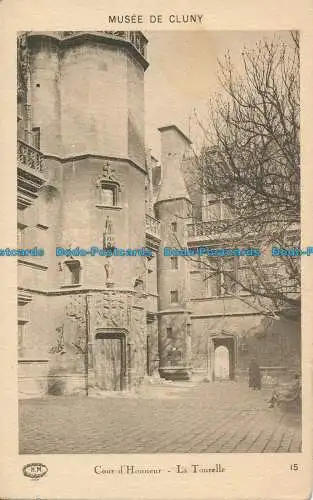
x: 182, y: 75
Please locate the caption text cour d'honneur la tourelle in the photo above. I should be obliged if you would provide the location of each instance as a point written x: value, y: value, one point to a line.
x: 156, y: 19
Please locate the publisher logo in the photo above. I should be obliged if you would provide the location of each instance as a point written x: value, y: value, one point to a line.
x: 35, y: 470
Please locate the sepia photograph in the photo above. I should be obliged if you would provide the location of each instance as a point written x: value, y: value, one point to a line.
x: 158, y: 242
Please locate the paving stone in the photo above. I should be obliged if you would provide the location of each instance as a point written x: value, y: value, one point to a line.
x: 199, y: 418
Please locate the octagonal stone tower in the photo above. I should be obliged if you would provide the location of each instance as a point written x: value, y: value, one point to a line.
x: 86, y: 102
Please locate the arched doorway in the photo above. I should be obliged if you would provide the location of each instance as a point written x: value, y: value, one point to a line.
x: 222, y: 356
x: 110, y: 359
x: 221, y: 363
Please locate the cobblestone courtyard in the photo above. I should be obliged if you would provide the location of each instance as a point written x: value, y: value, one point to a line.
x: 172, y: 418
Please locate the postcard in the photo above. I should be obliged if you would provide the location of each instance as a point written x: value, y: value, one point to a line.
x: 155, y: 250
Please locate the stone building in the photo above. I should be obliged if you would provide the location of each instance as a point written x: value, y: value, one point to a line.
x: 85, y: 179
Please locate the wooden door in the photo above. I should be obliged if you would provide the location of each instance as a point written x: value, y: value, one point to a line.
x: 108, y: 360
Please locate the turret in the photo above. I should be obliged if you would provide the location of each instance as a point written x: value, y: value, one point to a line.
x: 173, y: 209
x: 87, y: 93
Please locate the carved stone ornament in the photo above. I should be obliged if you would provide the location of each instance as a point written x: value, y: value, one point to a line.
x: 58, y: 347
x: 108, y: 187
x: 108, y: 174
x: 22, y: 65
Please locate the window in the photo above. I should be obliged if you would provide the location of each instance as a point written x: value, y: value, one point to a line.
x: 213, y: 277
x: 248, y: 275
x: 174, y: 296
x: 174, y: 227
x: 228, y: 277
x: 74, y: 272
x: 214, y: 209
x: 174, y: 262
x: 169, y: 333
x: 226, y: 209
x: 221, y: 276
x: 20, y: 336
x: 20, y: 236
x: 36, y: 137
x: 107, y: 196
x: 108, y: 187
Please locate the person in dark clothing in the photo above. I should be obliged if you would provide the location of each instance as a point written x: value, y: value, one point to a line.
x: 254, y: 375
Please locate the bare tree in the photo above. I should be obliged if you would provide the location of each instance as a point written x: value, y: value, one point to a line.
x: 250, y: 168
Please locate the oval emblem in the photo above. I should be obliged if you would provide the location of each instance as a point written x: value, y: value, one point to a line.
x: 35, y: 470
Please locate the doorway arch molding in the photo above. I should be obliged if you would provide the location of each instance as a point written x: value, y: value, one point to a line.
x: 110, y: 333
x: 224, y: 334
x: 227, y: 339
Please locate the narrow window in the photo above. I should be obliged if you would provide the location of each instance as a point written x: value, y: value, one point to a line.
x: 174, y: 296
x: 169, y: 333
x: 229, y: 276
x: 212, y: 276
x: 20, y: 236
x: 36, y: 137
x: 20, y: 336
x: 174, y: 262
x: 174, y: 227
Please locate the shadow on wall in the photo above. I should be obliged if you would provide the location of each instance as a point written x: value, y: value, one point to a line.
x: 276, y: 344
x: 65, y: 375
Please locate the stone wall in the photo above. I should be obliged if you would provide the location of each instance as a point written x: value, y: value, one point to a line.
x: 87, y: 96
x: 275, y: 343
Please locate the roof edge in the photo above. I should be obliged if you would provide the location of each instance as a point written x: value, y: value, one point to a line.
x: 169, y: 127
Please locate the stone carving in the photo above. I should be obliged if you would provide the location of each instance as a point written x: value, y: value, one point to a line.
x: 22, y: 65
x: 76, y: 308
x: 153, y: 226
x: 139, y: 284
x: 108, y: 271
x: 80, y: 345
x: 29, y: 156
x: 59, y: 346
x: 108, y: 236
x: 108, y: 174
x: 111, y: 310
x: 75, y: 331
x: 107, y: 186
